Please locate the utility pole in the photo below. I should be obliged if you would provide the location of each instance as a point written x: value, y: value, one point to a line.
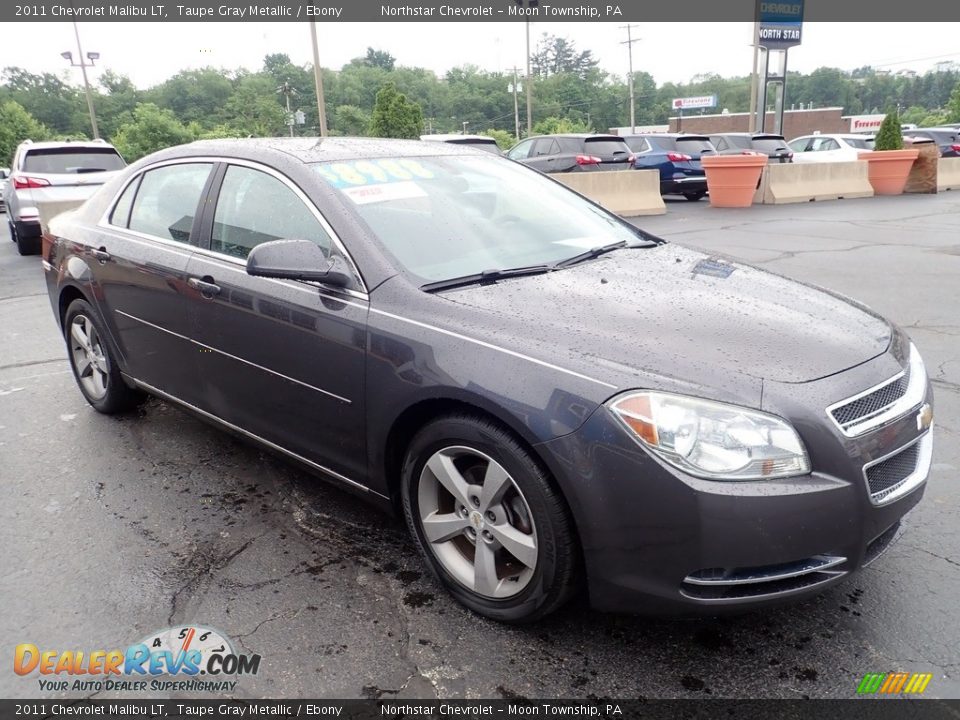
x: 755, y: 77
x: 318, y: 79
x: 529, y: 88
x: 516, y: 103
x: 633, y: 105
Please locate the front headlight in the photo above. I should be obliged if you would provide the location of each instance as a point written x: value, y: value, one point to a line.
x: 711, y: 439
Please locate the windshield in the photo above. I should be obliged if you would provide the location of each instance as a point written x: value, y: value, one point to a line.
x: 449, y: 217
x: 606, y: 146
x: 72, y: 160
x: 865, y: 143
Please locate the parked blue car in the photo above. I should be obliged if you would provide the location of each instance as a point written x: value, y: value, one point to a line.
x: 677, y: 157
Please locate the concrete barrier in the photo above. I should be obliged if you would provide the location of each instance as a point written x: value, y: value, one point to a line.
x: 625, y: 192
x: 948, y: 174
x: 50, y: 210
x: 783, y: 183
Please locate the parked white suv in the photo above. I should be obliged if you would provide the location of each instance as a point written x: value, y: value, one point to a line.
x: 50, y: 177
x: 829, y: 148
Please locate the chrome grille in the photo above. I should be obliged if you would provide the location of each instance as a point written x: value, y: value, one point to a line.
x: 871, y: 404
x: 888, y: 474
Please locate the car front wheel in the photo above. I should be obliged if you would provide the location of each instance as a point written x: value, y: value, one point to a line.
x: 487, y: 520
x: 93, y: 364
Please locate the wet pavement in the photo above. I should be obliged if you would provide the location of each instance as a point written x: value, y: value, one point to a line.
x: 118, y: 526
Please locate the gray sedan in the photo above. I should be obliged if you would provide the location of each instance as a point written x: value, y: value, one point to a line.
x: 553, y: 399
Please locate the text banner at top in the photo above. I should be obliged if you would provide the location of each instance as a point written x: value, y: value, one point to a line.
x: 860, y: 14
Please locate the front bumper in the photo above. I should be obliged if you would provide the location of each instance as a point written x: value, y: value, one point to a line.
x: 658, y: 541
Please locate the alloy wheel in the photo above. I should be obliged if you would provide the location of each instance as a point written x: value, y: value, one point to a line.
x: 476, y: 522
x: 88, y: 357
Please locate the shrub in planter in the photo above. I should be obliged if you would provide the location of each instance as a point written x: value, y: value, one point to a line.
x: 889, y: 163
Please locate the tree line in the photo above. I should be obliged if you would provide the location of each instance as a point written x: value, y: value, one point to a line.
x: 372, y: 95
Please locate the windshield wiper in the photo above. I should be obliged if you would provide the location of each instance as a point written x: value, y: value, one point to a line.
x: 484, y: 277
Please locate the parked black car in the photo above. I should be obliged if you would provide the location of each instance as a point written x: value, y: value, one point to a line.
x: 547, y: 394
x: 773, y: 146
x: 677, y: 157
x: 946, y: 138
x: 573, y: 153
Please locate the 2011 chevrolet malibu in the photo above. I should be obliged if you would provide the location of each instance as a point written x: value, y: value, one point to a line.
x: 551, y: 397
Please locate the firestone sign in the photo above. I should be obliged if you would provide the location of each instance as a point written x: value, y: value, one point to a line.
x: 779, y: 23
x: 693, y: 103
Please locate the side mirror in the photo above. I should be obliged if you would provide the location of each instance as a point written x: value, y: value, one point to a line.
x: 298, y: 260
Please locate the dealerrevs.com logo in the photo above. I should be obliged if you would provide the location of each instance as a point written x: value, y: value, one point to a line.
x: 186, y: 659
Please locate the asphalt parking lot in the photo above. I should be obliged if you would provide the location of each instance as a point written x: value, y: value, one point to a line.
x: 115, y: 527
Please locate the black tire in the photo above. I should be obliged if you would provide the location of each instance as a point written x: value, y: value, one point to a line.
x: 556, y: 573
x: 26, y: 244
x: 118, y: 396
x: 694, y: 196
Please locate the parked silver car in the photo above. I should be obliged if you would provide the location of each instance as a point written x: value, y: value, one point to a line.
x: 50, y: 177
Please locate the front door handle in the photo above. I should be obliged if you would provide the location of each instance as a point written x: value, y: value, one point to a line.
x: 102, y: 256
x: 205, y: 285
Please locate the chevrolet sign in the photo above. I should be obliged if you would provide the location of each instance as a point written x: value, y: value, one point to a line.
x: 779, y: 24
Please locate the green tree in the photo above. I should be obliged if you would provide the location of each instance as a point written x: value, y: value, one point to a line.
x: 194, y: 95
x: 255, y: 109
x: 555, y: 55
x: 151, y: 129
x: 380, y: 59
x: 554, y: 125
x: 49, y: 99
x: 953, y: 106
x: 17, y: 125
x: 394, y: 116
x: 351, y: 120
x: 889, y: 136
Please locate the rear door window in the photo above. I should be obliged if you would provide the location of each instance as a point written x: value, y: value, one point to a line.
x: 121, y: 211
x: 166, y: 203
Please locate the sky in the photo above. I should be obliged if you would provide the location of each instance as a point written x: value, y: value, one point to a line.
x: 672, y: 52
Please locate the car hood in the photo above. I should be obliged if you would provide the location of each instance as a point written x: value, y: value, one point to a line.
x: 676, y: 313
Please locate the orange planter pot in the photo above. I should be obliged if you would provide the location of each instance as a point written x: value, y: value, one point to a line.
x: 732, y: 179
x: 888, y: 169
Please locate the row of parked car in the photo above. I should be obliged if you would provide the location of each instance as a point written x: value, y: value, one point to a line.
x: 65, y: 172
x: 677, y: 156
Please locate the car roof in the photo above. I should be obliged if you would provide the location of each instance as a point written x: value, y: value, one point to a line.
x: 315, y: 150
x: 457, y: 137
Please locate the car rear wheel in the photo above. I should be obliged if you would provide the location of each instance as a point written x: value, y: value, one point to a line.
x: 26, y: 244
x: 487, y: 520
x: 694, y: 196
x: 93, y: 364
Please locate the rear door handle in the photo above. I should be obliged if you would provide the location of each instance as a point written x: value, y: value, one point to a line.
x: 205, y: 285
x: 102, y: 256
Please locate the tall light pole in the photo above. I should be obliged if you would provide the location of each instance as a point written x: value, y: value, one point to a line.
x: 83, y: 65
x: 529, y: 87
x: 287, y: 90
x: 318, y: 79
x: 633, y: 104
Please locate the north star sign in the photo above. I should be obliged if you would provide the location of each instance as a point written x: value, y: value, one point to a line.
x: 779, y: 24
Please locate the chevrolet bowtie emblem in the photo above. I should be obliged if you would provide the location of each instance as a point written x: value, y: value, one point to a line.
x: 925, y: 417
